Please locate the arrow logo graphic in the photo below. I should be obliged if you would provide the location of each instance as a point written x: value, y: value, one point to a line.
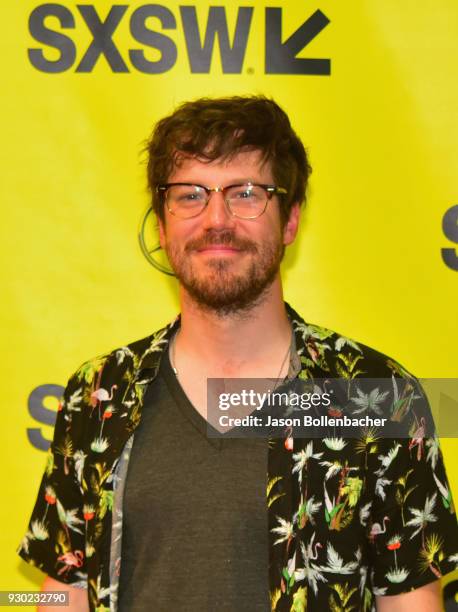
x: 281, y: 57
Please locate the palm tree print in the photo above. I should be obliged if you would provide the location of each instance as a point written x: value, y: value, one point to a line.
x: 301, y: 460
x: 367, y: 443
x: 285, y: 530
x: 423, y: 516
x: 306, y: 511
x: 432, y: 554
x: 335, y: 563
x: 66, y: 450
x: 369, y: 402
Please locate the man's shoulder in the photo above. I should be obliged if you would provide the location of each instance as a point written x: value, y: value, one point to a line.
x: 342, y: 356
x: 125, y: 359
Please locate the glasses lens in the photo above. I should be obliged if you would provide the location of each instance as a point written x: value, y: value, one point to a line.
x: 186, y: 200
x: 247, y: 201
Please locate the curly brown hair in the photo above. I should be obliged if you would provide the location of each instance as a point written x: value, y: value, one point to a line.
x: 219, y: 128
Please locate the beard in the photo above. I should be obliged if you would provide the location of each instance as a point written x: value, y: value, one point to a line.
x: 222, y: 287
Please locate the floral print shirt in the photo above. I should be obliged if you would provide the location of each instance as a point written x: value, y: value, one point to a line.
x: 349, y: 519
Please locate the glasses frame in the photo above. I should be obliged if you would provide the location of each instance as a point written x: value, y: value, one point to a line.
x: 270, y: 189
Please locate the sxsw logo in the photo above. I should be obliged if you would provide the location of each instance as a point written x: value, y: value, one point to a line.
x: 279, y: 54
x: 450, y: 229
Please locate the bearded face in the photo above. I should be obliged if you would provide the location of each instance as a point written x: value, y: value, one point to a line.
x: 224, y: 263
x: 230, y: 279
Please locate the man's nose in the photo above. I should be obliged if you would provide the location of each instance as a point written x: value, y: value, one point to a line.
x: 217, y: 214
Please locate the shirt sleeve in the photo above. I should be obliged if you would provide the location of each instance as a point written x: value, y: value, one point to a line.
x: 413, y: 533
x: 55, y: 540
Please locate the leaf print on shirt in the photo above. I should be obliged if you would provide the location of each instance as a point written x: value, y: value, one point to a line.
x: 288, y: 575
x: 285, y: 530
x: 397, y: 575
x: 367, y: 443
x: 335, y: 563
x: 73, y: 404
x: 387, y: 460
x: 346, y: 364
x: 90, y: 368
x: 403, y: 492
x: 339, y: 601
x: 299, y: 600
x: 275, y: 597
x: 306, y: 511
x: 339, y: 512
x: 301, y: 461
x: 446, y: 496
x: 313, y: 338
x: 421, y: 517
x: 79, y: 457
x: 66, y: 450
x: 335, y: 444
x: 270, y: 485
x: 402, y: 401
x: 69, y: 519
x: 432, y: 444
x: 297, y: 501
x: 99, y: 445
x: 432, y: 554
x: 369, y: 402
x: 39, y: 530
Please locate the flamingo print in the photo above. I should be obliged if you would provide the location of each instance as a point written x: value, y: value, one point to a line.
x: 102, y: 395
x: 310, y: 572
x: 377, y: 529
x: 70, y: 560
x: 312, y: 553
x: 418, y: 437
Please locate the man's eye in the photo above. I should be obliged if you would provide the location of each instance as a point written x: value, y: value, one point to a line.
x: 247, y: 194
x: 190, y: 197
x: 243, y: 195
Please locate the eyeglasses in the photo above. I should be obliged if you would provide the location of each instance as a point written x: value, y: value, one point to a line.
x: 246, y: 201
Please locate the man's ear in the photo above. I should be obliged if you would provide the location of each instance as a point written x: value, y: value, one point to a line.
x: 292, y: 225
x: 161, y: 231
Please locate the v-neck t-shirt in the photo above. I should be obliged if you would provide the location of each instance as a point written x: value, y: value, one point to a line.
x: 195, y: 531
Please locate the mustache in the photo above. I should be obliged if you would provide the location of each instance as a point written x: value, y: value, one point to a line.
x: 225, y: 238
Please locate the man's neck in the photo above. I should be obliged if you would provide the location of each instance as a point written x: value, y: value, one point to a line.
x: 228, y: 342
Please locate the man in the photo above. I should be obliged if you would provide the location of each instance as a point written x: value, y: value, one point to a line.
x: 139, y: 509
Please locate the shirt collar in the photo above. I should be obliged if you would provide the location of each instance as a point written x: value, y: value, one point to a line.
x: 150, y: 361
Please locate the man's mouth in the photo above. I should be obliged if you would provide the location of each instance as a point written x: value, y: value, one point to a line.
x: 218, y: 248
x: 222, y: 244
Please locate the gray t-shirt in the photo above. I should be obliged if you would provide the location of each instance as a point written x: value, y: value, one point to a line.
x: 195, y: 532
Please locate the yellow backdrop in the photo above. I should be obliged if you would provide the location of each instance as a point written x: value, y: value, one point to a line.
x: 377, y: 113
